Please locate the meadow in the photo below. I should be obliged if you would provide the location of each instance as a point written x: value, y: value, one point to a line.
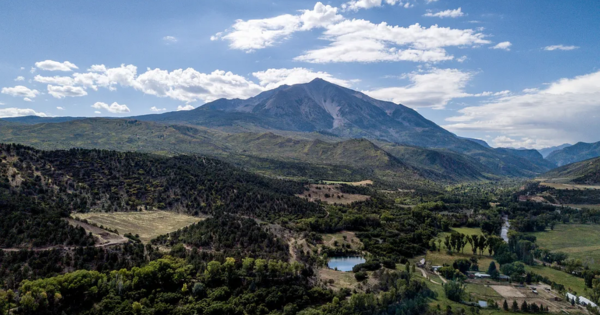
x: 580, y: 241
x: 146, y: 224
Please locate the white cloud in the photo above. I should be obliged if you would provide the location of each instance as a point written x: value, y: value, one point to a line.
x: 356, y: 5
x: 27, y: 99
x: 446, y: 14
x: 18, y: 112
x: 434, y: 89
x: 51, y: 65
x: 114, y: 108
x: 363, y: 41
x: 20, y: 78
x: 560, y: 47
x: 170, y: 39
x: 54, y: 80
x: 272, y: 78
x: 156, y: 109
x: 462, y: 59
x: 566, y: 110
x: 62, y: 91
x: 60, y: 108
x: 20, y: 91
x: 261, y: 33
x: 32, y: 70
x: 97, y: 112
x: 185, y: 107
x: 502, y: 45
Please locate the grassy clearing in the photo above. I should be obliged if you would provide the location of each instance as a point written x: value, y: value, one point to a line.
x: 441, y: 258
x: 570, y: 282
x: 330, y: 194
x: 580, y: 241
x: 342, y: 238
x: 147, y: 224
x: 558, y: 185
x: 361, y: 183
x: 468, y: 250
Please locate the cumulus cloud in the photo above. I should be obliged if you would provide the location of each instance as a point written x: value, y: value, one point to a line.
x: 60, y: 108
x: 20, y: 91
x: 62, y: 91
x: 18, y: 112
x: 560, y: 47
x: 502, y: 45
x: 58, y: 80
x: 156, y: 109
x: 51, y: 65
x: 433, y: 88
x: 170, y: 39
x: 356, y: 5
x: 20, y: 78
x: 272, y: 78
x: 185, y: 107
x: 261, y: 33
x: 363, y: 41
x: 446, y: 14
x: 566, y: 110
x: 114, y: 108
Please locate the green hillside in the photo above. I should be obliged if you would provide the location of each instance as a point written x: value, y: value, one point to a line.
x: 585, y: 172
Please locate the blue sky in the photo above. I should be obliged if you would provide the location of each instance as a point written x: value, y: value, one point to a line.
x: 514, y: 73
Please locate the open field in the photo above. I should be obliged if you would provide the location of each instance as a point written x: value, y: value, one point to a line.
x: 103, y: 237
x: 572, y: 283
x: 350, y: 238
x: 330, y: 194
x: 361, y: 183
x: 147, y: 224
x: 593, y: 207
x: 558, y: 185
x: 441, y: 258
x: 580, y: 241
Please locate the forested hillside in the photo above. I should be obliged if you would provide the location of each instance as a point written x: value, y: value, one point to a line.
x: 98, y: 180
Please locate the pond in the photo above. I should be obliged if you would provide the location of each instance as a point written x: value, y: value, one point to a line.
x: 344, y: 263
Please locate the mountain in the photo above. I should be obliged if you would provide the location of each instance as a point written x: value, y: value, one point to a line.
x: 584, y: 172
x: 313, y: 110
x: 530, y: 154
x: 304, y: 155
x: 578, y: 152
x: 546, y: 151
x: 478, y: 141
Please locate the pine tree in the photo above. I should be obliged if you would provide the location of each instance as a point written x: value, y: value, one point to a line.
x: 515, y: 306
x: 505, y: 306
x: 524, y: 307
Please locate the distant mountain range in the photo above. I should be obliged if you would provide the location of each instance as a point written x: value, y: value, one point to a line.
x: 546, y: 151
x: 312, y: 123
x: 578, y: 152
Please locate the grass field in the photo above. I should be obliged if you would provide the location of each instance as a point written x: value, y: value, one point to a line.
x: 361, y: 183
x: 570, y: 282
x: 463, y: 230
x: 557, y: 185
x: 578, y: 240
x: 147, y: 224
x: 350, y: 238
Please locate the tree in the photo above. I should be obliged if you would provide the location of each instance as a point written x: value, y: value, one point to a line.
x: 136, y: 307
x: 524, y: 307
x: 505, y: 306
x: 492, y: 271
x: 515, y: 306
x: 454, y: 290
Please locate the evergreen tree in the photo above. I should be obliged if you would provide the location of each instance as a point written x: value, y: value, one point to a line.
x: 515, y: 306
x: 505, y: 306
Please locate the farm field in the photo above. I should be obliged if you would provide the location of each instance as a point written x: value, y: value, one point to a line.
x: 147, y: 224
x: 580, y: 241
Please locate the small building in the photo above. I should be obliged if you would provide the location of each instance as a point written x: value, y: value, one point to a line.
x: 570, y: 297
x: 504, y: 278
x: 586, y: 302
x: 483, y: 304
x: 435, y: 268
x: 421, y: 262
x: 482, y: 275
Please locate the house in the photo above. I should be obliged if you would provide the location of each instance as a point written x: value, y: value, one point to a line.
x: 482, y: 275
x: 421, y: 262
x: 570, y: 297
x: 435, y: 268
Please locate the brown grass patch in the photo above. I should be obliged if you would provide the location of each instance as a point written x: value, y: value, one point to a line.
x: 147, y: 224
x: 330, y: 194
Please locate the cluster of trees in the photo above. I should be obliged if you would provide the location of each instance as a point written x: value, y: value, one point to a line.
x: 248, y: 286
x: 457, y: 242
x: 16, y: 266
x: 233, y: 236
x: 525, y: 308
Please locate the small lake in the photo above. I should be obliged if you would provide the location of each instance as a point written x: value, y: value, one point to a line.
x: 344, y: 263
